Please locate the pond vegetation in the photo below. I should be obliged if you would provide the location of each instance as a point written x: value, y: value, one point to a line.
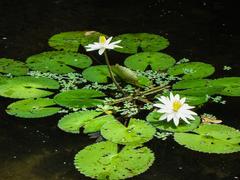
x: 149, y: 95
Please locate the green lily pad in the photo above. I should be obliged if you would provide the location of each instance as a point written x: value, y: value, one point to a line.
x: 16, y: 68
x: 157, y: 61
x: 137, y: 132
x: 26, y: 87
x: 192, y: 70
x: 197, y: 87
x: 59, y: 62
x: 70, y: 41
x: 211, y: 138
x: 154, y: 116
x: 201, y: 91
x: 196, y: 100
x: 147, y: 42
x: 33, y: 108
x: 72, y: 122
x: 231, y: 85
x: 97, y: 73
x: 79, y: 98
x: 96, y: 124
x: 193, y: 83
x: 104, y: 160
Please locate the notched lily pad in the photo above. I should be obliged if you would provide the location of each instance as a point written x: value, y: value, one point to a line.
x: 156, y: 60
x: 16, y: 68
x: 97, y: 73
x: 70, y: 41
x: 59, y: 62
x: 26, y: 87
x: 104, y: 161
x: 192, y: 70
x: 137, y: 132
x: 154, y: 116
x: 33, y: 108
x: 79, y: 98
x: 74, y: 121
x: 211, y: 138
x: 145, y: 41
x: 231, y: 85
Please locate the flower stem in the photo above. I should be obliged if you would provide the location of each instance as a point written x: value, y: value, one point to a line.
x: 111, y: 73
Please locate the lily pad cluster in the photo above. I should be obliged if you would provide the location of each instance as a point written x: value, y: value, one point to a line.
x: 123, y: 121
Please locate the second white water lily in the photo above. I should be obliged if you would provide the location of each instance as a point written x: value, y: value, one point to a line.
x: 102, y: 45
x: 174, y: 108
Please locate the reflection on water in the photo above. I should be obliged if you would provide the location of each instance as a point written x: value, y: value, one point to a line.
x: 205, y: 31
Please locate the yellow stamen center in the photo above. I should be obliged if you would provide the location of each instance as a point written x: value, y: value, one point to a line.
x: 102, y: 39
x: 177, y: 105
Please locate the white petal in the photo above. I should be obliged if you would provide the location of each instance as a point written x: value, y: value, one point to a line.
x: 177, y: 97
x: 101, y: 51
x: 183, y: 100
x: 176, y: 121
x: 169, y: 117
x: 108, y: 40
x: 164, y: 116
x: 116, y: 42
x: 172, y: 99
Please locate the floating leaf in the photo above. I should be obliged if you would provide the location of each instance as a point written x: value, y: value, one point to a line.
x: 201, y: 91
x: 211, y: 138
x: 33, y: 108
x: 191, y: 100
x: 231, y: 85
x: 59, y: 62
x: 157, y: 61
x: 16, y: 68
x: 196, y: 100
x: 147, y: 42
x: 104, y: 161
x: 197, y: 87
x: 27, y: 87
x: 137, y: 132
x: 192, y: 70
x: 74, y: 121
x: 194, y: 83
x: 97, y: 73
x: 70, y: 41
x: 79, y: 98
x: 96, y: 124
x: 154, y: 116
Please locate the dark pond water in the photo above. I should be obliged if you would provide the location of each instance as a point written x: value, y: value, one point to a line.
x: 198, y: 30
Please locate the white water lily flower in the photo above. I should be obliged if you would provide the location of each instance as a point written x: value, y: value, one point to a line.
x: 103, y: 44
x: 174, y: 108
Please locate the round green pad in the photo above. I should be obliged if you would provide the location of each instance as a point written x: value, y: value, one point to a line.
x: 33, y: 108
x: 105, y: 161
x: 157, y: 61
x: 98, y: 74
x: 146, y: 42
x: 70, y: 41
x: 16, y: 68
x: 137, y: 132
x: 211, y: 138
x: 59, y: 62
x: 79, y: 98
x: 26, y: 87
x: 192, y: 70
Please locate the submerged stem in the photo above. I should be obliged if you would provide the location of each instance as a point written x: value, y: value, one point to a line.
x: 140, y: 95
x: 111, y: 73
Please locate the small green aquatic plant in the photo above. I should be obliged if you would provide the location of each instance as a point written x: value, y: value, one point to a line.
x: 124, y: 105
